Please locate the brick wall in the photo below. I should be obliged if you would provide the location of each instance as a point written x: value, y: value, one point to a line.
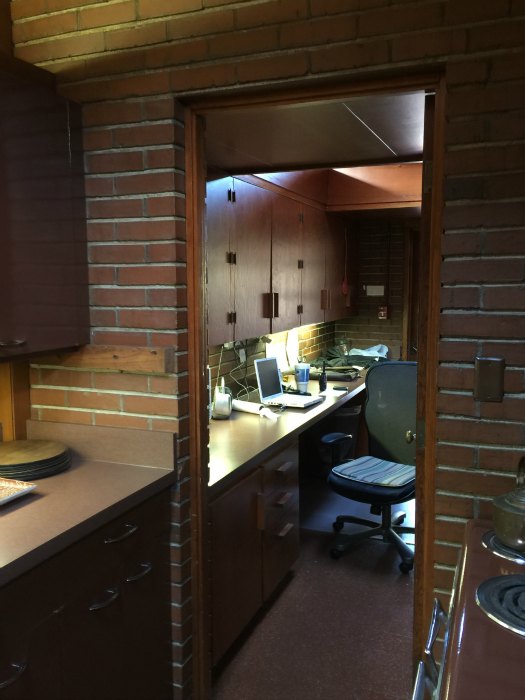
x: 380, y: 251
x: 126, y: 51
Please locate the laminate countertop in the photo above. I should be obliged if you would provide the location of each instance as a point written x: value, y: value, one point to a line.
x: 70, y: 505
x: 245, y: 439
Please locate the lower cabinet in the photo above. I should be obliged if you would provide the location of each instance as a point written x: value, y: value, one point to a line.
x: 102, y: 628
x: 254, y: 543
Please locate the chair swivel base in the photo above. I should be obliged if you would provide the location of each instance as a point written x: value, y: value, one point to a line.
x: 389, y: 531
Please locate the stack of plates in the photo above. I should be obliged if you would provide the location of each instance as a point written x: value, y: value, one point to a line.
x: 33, y: 459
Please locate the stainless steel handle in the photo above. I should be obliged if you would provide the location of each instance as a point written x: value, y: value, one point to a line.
x: 145, y: 568
x: 420, y: 683
x: 19, y: 668
x: 410, y: 436
x: 113, y: 595
x: 129, y: 530
x: 439, y: 617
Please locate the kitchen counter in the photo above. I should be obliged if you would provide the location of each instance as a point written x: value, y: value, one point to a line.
x: 67, y: 506
x: 244, y: 439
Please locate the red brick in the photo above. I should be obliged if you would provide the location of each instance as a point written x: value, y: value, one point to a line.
x: 112, y: 381
x: 144, y: 183
x: 396, y: 20
x: 457, y: 404
x: 356, y: 54
x: 120, y: 161
x: 505, y: 297
x: 500, y: 460
x: 44, y: 27
x: 117, y: 296
x: 114, y: 208
x: 512, y: 351
x: 458, y: 350
x: 165, y: 8
x: 471, y: 481
x: 478, y: 325
x: 460, y: 297
x: 195, y: 77
x: 64, y: 377
x: 323, y: 31
x: 487, y: 214
x: 21, y: 9
x: 455, y: 506
x: 107, y: 113
x: 482, y: 270
x: 243, y: 42
x: 273, y: 67
x: 456, y: 455
x: 485, y: 128
x: 93, y: 400
x: 103, y: 317
x: 276, y: 12
x: 166, y: 318
x: 62, y: 415
x: 76, y: 45
x: 99, y: 186
x: 105, y: 16
x: 479, y: 432
x: 48, y: 397
x: 505, y: 242
x: 102, y: 275
x: 471, y: 11
x: 510, y: 409
x: 151, y: 405
x: 145, y: 230
x: 429, y: 44
x: 117, y: 337
x: 120, y: 253
x: 497, y: 35
x: 449, y: 530
x: 480, y: 99
x: 447, y: 554
x: 480, y: 159
x: 466, y: 71
x: 334, y: 7
x: 456, y: 378
x: 121, y: 420
x: 149, y: 274
x: 143, y: 135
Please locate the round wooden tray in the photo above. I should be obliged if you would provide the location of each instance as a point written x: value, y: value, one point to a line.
x: 25, y: 452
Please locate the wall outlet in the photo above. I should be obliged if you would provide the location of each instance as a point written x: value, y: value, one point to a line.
x: 228, y: 346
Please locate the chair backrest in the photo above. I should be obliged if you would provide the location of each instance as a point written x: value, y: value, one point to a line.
x: 390, y: 410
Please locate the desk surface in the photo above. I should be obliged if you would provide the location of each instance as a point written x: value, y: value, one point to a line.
x: 245, y: 438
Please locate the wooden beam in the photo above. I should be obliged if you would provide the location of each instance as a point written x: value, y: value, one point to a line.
x: 114, y: 357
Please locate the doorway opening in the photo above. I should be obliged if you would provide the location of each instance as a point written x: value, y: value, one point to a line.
x: 226, y: 136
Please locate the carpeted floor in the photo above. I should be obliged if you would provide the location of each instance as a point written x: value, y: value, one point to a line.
x: 337, y: 630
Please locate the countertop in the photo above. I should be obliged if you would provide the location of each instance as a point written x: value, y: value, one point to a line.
x: 70, y: 505
x: 245, y: 438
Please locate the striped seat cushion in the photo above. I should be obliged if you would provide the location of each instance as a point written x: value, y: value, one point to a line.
x: 376, y: 471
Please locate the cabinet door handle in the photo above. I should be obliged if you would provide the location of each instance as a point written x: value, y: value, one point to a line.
x: 113, y: 594
x: 129, y: 530
x: 286, y: 529
x: 14, y: 343
x: 283, y: 499
x: 284, y: 467
x: 145, y: 568
x: 19, y: 668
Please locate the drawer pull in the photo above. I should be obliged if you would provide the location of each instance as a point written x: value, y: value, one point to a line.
x: 283, y: 500
x: 19, y: 668
x: 145, y: 568
x: 284, y: 467
x: 113, y: 594
x: 286, y: 529
x: 129, y: 530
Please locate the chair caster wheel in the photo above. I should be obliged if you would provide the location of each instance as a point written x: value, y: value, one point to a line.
x: 338, y: 526
x: 335, y: 553
x: 406, y: 567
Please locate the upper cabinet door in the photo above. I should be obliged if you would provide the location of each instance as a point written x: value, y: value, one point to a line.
x: 252, y: 207
x: 286, y: 262
x: 336, y: 274
x: 43, y: 248
x: 219, y: 234
x: 315, y: 232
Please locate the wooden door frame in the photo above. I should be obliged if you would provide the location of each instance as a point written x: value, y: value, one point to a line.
x: 197, y: 108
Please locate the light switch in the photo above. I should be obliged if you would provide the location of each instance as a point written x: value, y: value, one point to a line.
x: 488, y: 380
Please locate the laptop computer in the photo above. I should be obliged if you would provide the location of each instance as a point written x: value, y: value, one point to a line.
x: 271, y: 388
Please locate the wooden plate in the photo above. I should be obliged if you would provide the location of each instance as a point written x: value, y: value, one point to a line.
x: 23, y: 452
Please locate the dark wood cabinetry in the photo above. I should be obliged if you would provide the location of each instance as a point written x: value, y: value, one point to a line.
x: 273, y: 262
x: 43, y: 248
x: 93, y: 621
x: 255, y: 541
x: 238, y: 244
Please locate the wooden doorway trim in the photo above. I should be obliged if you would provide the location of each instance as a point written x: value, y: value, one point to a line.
x: 427, y: 366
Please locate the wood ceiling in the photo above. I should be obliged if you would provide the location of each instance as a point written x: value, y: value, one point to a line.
x: 359, y: 130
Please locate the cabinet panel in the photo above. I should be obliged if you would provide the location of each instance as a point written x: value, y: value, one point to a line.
x: 315, y: 233
x: 286, y: 253
x: 236, y: 561
x: 335, y: 270
x: 43, y: 251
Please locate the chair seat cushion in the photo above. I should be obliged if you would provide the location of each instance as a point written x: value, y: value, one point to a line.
x: 380, y: 472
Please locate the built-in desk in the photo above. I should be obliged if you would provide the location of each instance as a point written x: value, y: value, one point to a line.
x: 254, y: 509
x: 245, y: 439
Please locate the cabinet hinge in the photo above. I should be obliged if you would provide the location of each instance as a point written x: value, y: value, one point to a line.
x: 231, y: 317
x: 299, y: 308
x: 301, y: 217
x: 300, y: 264
x: 231, y: 195
x: 231, y: 258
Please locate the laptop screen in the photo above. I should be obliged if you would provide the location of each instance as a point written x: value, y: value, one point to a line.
x: 268, y: 378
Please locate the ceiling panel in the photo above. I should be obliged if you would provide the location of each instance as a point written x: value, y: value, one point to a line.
x: 354, y: 131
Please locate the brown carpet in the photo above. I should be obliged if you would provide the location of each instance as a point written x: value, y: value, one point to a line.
x: 338, y: 630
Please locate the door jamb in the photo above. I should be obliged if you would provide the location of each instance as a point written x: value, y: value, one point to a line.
x: 197, y: 108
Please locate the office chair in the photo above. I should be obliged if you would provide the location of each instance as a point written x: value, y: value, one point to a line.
x: 387, y: 475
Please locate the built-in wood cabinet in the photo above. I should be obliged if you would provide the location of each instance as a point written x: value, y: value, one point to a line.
x: 93, y: 621
x: 273, y: 262
x: 43, y: 247
x: 254, y: 528
x: 238, y: 248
